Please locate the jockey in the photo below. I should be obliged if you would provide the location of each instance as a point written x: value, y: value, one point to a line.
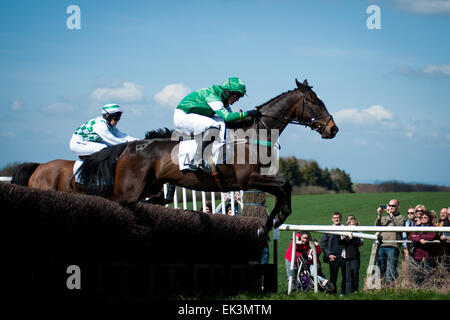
x: 99, y: 133
x: 207, y: 110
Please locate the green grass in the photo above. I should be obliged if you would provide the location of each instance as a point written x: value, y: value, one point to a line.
x: 383, y: 294
x: 317, y: 209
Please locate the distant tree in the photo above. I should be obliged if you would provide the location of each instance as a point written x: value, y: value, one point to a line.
x: 8, y: 169
x: 290, y: 170
x: 304, y: 173
x: 342, y: 180
x: 312, y: 174
x: 326, y: 181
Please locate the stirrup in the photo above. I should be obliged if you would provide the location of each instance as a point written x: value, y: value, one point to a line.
x: 204, y: 167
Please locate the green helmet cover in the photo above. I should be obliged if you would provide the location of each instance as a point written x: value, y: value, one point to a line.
x: 235, y: 85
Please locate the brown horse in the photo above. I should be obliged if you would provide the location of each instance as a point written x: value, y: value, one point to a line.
x: 129, y: 172
x: 52, y: 175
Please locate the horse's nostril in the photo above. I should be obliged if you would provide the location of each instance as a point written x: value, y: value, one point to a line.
x: 334, y: 130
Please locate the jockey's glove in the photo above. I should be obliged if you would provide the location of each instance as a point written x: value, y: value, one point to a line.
x: 254, y: 113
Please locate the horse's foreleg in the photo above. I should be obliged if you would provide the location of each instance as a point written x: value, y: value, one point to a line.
x: 281, y: 189
x: 286, y: 208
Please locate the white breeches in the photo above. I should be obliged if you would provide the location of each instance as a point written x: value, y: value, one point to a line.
x: 195, y: 123
x: 84, y: 148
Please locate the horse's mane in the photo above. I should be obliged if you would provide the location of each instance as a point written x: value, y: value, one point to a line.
x: 159, y: 133
x: 275, y: 98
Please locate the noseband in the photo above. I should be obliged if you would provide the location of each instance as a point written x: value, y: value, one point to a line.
x: 311, y: 123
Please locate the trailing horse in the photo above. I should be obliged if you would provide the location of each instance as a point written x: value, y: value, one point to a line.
x: 52, y: 175
x: 129, y: 172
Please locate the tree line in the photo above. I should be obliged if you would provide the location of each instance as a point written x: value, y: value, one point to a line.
x: 398, y: 186
x: 303, y: 173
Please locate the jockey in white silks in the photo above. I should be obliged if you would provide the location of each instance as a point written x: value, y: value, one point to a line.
x: 98, y: 133
x: 206, y: 112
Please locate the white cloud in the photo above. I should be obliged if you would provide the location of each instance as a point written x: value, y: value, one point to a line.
x: 443, y: 69
x: 16, y: 105
x: 361, y: 142
x: 128, y: 92
x: 425, y: 6
x: 7, y: 134
x: 409, y: 133
x: 172, y: 94
x: 59, y: 107
x: 429, y: 70
x: 375, y: 113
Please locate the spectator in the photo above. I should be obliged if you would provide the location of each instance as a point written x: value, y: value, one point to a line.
x: 207, y: 208
x: 238, y: 204
x: 305, y: 250
x: 288, y: 256
x: 445, y: 236
x: 443, y: 216
x: 332, y: 248
x: 228, y: 210
x: 349, y: 217
x: 352, y: 259
x: 434, y: 218
x: 388, y: 252
x: 423, y: 256
x: 410, y: 222
x: 419, y: 209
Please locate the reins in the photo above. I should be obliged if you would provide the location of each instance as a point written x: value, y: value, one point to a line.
x: 297, y: 121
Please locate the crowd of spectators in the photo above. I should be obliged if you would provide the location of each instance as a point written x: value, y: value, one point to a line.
x: 419, y: 250
x: 422, y: 250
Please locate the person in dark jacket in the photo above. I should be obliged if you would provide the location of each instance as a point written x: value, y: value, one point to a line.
x: 332, y: 248
x: 351, y: 256
x: 423, y: 261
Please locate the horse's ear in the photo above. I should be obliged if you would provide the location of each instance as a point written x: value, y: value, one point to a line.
x: 305, y: 83
x: 298, y: 83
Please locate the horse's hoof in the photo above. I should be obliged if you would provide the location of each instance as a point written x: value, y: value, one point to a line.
x: 262, y: 232
x: 279, y: 220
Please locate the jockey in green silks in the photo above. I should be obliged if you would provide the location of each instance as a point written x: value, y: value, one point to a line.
x: 207, y: 110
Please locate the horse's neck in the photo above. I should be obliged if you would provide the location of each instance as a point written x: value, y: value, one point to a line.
x: 281, y: 107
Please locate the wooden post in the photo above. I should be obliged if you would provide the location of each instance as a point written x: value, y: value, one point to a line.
x: 313, y: 247
x: 405, y: 267
x: 371, y: 267
x: 291, y: 269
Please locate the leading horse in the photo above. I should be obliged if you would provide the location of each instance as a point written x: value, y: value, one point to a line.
x: 143, y: 167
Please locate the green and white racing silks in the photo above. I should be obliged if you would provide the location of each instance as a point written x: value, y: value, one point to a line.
x: 207, y: 102
x: 98, y: 130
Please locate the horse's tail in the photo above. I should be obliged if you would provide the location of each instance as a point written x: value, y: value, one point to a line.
x: 97, y: 173
x: 23, y: 172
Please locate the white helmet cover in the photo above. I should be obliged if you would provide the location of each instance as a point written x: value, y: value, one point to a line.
x: 111, y: 108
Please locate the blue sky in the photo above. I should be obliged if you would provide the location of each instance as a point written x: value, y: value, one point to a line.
x: 387, y: 88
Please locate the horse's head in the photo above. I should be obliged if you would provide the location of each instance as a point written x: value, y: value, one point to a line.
x: 311, y: 111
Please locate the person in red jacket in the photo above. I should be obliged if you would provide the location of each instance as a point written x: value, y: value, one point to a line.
x: 304, y: 250
x: 423, y: 261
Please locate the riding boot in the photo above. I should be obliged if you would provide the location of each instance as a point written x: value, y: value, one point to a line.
x: 200, y: 160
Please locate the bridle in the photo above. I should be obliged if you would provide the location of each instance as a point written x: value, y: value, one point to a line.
x: 312, y: 123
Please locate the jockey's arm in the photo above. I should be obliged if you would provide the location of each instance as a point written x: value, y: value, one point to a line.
x: 116, y: 132
x: 226, y: 115
x: 103, y: 131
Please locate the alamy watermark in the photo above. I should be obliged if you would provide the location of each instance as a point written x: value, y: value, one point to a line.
x: 74, y: 280
x: 374, y: 20
x: 251, y: 146
x: 74, y: 20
